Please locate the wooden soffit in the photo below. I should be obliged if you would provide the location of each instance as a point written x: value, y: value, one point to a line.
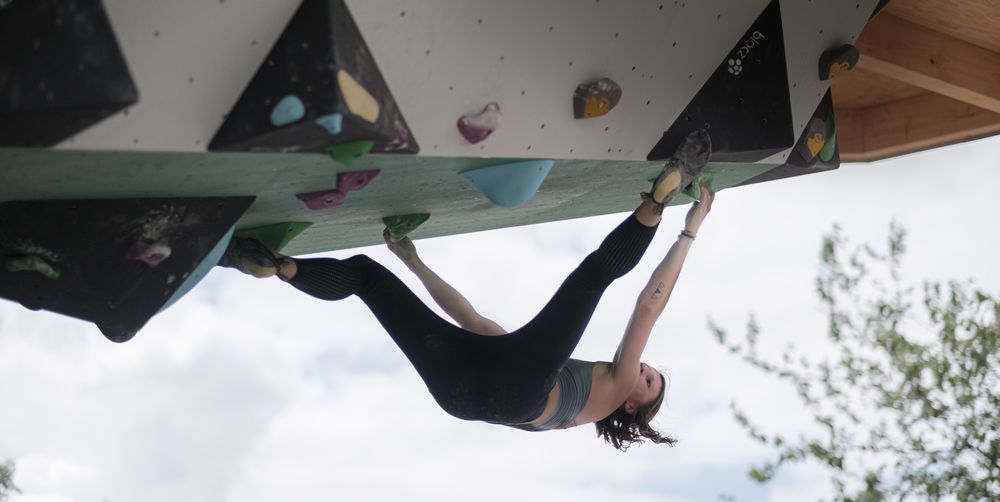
x: 929, y: 76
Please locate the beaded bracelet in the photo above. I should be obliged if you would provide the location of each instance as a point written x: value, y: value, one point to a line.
x: 685, y: 233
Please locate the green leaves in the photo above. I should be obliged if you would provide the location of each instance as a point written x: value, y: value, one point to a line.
x: 909, y: 401
x: 7, y: 485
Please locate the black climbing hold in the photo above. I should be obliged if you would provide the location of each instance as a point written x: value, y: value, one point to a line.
x: 836, y: 62
x: 756, y: 126
x: 61, y: 70
x: 322, y: 60
x: 88, y: 240
x: 400, y: 226
x: 827, y: 159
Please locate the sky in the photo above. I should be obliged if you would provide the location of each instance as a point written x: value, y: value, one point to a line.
x: 247, y: 390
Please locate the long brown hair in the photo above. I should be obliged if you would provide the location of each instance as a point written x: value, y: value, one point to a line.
x: 621, y: 429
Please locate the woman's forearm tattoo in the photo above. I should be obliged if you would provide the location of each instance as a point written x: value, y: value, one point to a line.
x: 658, y: 292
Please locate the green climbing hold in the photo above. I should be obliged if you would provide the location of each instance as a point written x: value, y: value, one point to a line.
x: 694, y: 189
x: 826, y: 154
x: 401, y: 225
x: 349, y: 153
x: 275, y: 236
x: 32, y: 264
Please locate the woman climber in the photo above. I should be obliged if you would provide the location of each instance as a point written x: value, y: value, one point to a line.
x: 524, y: 378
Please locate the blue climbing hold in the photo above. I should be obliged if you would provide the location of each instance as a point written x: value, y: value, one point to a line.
x: 509, y: 185
x: 289, y: 109
x: 199, y: 272
x: 333, y: 123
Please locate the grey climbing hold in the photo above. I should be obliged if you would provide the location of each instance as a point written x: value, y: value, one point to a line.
x: 32, y: 264
x: 594, y: 99
x: 476, y: 127
x: 289, y: 110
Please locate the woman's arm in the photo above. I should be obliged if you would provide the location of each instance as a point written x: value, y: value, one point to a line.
x: 447, y: 297
x: 655, y: 294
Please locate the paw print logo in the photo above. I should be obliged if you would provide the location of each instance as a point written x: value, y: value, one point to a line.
x: 735, y: 66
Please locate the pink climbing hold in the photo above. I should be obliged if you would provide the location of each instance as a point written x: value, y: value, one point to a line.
x: 355, y: 180
x: 150, y: 253
x: 346, y: 182
x: 322, y: 199
x: 476, y: 127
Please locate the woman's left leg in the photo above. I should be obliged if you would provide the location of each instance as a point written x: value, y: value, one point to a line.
x: 555, y: 331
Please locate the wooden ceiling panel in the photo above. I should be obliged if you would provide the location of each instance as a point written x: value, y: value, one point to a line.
x: 910, y: 125
x: 862, y: 89
x: 974, y: 21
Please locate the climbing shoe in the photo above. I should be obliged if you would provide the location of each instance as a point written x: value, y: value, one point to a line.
x: 687, y: 162
x: 242, y: 251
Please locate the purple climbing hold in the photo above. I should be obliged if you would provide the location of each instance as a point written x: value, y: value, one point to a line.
x: 322, y: 199
x: 476, y: 127
x: 150, y: 253
x: 355, y: 180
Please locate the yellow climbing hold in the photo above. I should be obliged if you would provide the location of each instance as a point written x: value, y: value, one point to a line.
x: 359, y: 101
x: 595, y: 107
x: 815, y: 143
x: 667, y: 185
x: 839, y: 68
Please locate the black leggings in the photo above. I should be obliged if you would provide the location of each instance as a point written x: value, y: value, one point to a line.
x: 499, y: 379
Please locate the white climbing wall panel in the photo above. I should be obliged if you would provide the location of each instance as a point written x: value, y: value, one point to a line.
x: 191, y: 59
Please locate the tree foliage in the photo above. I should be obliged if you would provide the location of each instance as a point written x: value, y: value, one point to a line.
x: 908, y: 400
x: 7, y: 485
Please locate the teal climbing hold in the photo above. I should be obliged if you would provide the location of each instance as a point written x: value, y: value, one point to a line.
x: 509, y: 185
x: 275, y: 236
x: 199, y: 272
x: 830, y: 148
x: 333, y: 123
x: 290, y: 109
x: 349, y: 153
x: 32, y: 263
x: 400, y: 226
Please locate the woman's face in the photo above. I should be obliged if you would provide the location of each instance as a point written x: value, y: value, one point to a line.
x: 648, y: 387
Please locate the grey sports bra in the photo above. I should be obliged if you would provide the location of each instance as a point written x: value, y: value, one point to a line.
x: 574, y: 388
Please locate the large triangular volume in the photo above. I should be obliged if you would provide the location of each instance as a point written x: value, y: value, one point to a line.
x: 745, y: 104
x: 318, y: 86
x: 815, y: 152
x: 61, y: 70
x: 115, y: 262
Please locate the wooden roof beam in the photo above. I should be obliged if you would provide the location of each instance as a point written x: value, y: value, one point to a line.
x: 911, y: 53
x: 909, y: 125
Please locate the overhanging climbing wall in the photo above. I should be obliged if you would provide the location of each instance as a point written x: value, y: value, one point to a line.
x: 305, y: 112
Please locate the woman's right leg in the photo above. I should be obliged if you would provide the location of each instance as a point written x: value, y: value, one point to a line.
x: 450, y: 360
x: 423, y: 336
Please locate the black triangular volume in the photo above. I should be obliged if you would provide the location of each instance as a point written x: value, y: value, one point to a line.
x: 878, y: 8
x: 115, y: 262
x: 745, y: 104
x: 302, y: 74
x: 816, y: 151
x: 61, y: 70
